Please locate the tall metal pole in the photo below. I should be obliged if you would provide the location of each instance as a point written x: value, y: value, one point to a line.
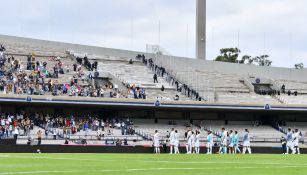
x: 201, y: 29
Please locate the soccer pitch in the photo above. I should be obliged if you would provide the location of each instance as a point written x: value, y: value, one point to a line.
x: 149, y: 164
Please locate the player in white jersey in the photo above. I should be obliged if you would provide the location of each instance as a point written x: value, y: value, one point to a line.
x: 197, y: 142
x: 296, y: 138
x: 231, y: 142
x: 172, y: 141
x: 156, y: 142
x: 176, y: 142
x: 188, y: 146
x: 246, y: 142
x: 209, y: 142
x: 289, y: 140
x: 191, y: 143
x: 236, y: 142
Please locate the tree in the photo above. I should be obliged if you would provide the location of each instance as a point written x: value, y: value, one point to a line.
x: 263, y: 60
x: 228, y: 55
x: 299, y: 66
x: 231, y: 55
x: 246, y: 59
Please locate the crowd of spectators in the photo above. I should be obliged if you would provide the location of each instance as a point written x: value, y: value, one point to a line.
x: 280, y: 91
x: 136, y: 92
x: 41, y: 77
x: 61, y: 126
x: 12, y: 125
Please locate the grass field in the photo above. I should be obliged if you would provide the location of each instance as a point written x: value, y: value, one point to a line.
x: 147, y: 164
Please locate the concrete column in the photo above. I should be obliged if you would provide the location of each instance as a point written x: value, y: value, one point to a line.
x: 201, y: 29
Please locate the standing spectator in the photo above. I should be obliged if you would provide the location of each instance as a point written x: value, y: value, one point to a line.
x: 39, y: 137
x: 283, y: 145
x: 16, y: 133
x: 155, y: 77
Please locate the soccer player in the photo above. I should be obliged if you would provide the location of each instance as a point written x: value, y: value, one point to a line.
x: 192, y: 143
x: 188, y: 144
x: 289, y: 141
x: 246, y: 142
x: 172, y: 140
x: 236, y: 142
x: 176, y: 142
x: 296, y: 138
x: 223, y: 147
x: 197, y: 142
x: 156, y: 142
x: 209, y: 142
x: 231, y: 142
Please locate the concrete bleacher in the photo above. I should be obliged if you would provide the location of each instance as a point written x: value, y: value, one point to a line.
x: 89, y: 135
x: 148, y: 127
x: 24, y: 49
x: 301, y: 126
x: 257, y: 133
x: 246, y: 98
x: 136, y: 74
x: 300, y: 87
x: 294, y: 100
x: 209, y: 78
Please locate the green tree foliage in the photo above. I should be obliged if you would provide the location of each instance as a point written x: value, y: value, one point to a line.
x: 263, y: 60
x: 228, y: 55
x: 231, y: 55
x: 299, y: 66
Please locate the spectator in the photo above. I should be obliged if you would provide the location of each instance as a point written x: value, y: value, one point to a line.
x: 39, y: 137
x: 155, y: 77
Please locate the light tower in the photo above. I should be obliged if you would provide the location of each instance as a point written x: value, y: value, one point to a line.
x: 201, y: 29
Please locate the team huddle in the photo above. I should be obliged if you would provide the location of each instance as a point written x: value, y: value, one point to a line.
x: 228, y: 142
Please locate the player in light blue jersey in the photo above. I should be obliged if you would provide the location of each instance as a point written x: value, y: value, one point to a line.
x: 223, y: 142
x: 289, y: 141
x: 236, y: 143
x: 209, y: 142
x: 231, y: 142
x: 246, y: 142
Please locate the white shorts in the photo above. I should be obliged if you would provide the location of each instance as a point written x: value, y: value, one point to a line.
x: 176, y: 143
x: 231, y: 145
x: 197, y: 144
x: 172, y: 142
x: 246, y: 143
x: 209, y: 145
x: 290, y: 144
x: 295, y: 144
x: 193, y: 144
x: 156, y: 144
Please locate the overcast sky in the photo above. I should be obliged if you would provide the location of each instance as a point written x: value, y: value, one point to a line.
x: 274, y: 27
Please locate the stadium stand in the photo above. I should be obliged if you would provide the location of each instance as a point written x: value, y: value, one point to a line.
x: 47, y: 69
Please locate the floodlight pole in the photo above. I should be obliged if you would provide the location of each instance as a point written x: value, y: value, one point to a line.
x: 201, y: 29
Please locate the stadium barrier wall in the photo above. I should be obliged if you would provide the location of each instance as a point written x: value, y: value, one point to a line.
x: 115, y: 149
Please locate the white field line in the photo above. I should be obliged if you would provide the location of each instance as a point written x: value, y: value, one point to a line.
x: 222, y: 162
x: 57, y: 158
x: 144, y: 169
x: 153, y: 161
